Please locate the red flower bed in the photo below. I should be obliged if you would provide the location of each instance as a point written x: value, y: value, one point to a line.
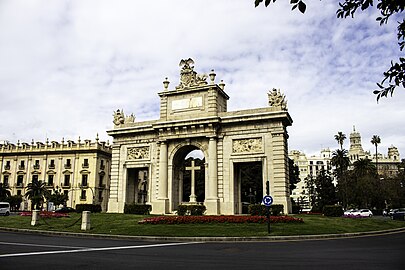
x: 44, y: 214
x: 218, y: 219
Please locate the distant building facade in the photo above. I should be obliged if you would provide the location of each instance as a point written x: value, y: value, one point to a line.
x: 387, y: 164
x: 79, y: 169
x: 309, y: 166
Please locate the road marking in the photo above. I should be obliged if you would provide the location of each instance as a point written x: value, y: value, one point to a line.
x: 94, y: 249
x: 35, y: 245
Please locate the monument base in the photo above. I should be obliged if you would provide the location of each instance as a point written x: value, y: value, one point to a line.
x: 160, y: 207
x: 212, y: 206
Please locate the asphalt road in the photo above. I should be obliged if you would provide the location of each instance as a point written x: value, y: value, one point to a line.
x: 32, y: 251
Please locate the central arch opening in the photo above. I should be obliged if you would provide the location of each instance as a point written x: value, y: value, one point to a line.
x: 188, y: 176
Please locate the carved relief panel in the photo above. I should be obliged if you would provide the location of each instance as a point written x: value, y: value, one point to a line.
x: 141, y: 152
x: 252, y: 145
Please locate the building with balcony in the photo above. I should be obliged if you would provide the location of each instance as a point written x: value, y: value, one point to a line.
x: 79, y: 169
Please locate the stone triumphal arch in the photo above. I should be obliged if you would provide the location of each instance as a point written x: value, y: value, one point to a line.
x: 154, y: 162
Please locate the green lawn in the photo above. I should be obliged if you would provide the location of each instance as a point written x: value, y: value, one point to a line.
x: 103, y: 223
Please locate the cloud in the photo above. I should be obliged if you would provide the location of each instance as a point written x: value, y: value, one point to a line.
x: 67, y: 65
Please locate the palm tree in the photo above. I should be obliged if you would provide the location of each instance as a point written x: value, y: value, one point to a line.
x: 36, y: 192
x: 367, y: 189
x: 363, y: 167
x: 375, y: 140
x: 4, y: 192
x: 340, y: 137
x: 341, y: 161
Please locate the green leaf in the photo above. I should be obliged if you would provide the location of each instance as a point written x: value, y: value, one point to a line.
x: 267, y: 2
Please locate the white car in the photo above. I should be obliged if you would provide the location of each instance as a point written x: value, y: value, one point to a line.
x: 4, y: 208
x: 350, y: 212
x: 363, y: 213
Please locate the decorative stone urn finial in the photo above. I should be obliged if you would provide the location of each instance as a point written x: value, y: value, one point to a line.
x: 166, y: 83
x: 212, y: 76
x: 222, y: 85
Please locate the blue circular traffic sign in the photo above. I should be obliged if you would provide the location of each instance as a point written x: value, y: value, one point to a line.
x: 267, y: 200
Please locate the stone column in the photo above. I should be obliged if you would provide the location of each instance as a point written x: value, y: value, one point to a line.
x: 163, y: 171
x: 212, y: 169
x: 162, y: 206
x: 212, y: 197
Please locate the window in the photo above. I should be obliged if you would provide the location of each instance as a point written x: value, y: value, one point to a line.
x: 22, y: 165
x: 7, y: 166
x: 50, y: 180
x: 100, y: 196
x: 83, y: 195
x: 102, y: 167
x: 52, y: 164
x: 20, y: 180
x: 36, y: 164
x: 101, y: 180
x: 5, y: 180
x: 19, y: 192
x: 85, y: 163
x: 68, y: 164
x: 35, y: 177
x: 66, y: 182
x: 66, y: 192
x: 84, y: 180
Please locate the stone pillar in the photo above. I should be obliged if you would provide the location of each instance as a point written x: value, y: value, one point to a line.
x: 86, y: 220
x: 212, y: 197
x: 163, y: 179
x: 35, y: 217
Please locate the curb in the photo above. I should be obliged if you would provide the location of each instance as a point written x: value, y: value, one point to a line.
x: 211, y: 239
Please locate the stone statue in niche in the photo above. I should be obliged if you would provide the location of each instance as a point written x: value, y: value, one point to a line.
x: 138, y: 152
x: 188, y: 77
x: 276, y: 99
x: 247, y: 145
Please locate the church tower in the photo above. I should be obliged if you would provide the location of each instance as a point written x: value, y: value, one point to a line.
x: 356, y: 151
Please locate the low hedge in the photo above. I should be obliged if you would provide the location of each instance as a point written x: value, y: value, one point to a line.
x: 261, y: 210
x: 332, y: 211
x: 191, y: 209
x: 217, y: 219
x: 94, y: 208
x: 137, y: 209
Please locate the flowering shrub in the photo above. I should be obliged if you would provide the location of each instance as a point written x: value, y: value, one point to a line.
x: 44, y: 214
x: 218, y: 219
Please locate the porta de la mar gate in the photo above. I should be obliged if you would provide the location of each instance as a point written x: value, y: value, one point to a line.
x: 238, y: 151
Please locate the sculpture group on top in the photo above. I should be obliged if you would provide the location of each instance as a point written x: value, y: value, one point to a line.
x: 120, y: 119
x: 188, y: 77
x: 277, y: 99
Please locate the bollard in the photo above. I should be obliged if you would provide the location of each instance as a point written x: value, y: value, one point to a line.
x: 35, y: 217
x: 85, y: 220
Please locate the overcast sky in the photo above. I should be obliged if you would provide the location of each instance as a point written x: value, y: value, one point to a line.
x: 65, y: 66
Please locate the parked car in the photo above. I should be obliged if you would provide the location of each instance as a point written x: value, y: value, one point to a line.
x: 65, y: 209
x: 350, y: 212
x: 364, y: 213
x: 4, y: 208
x: 399, y: 215
x: 392, y: 211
